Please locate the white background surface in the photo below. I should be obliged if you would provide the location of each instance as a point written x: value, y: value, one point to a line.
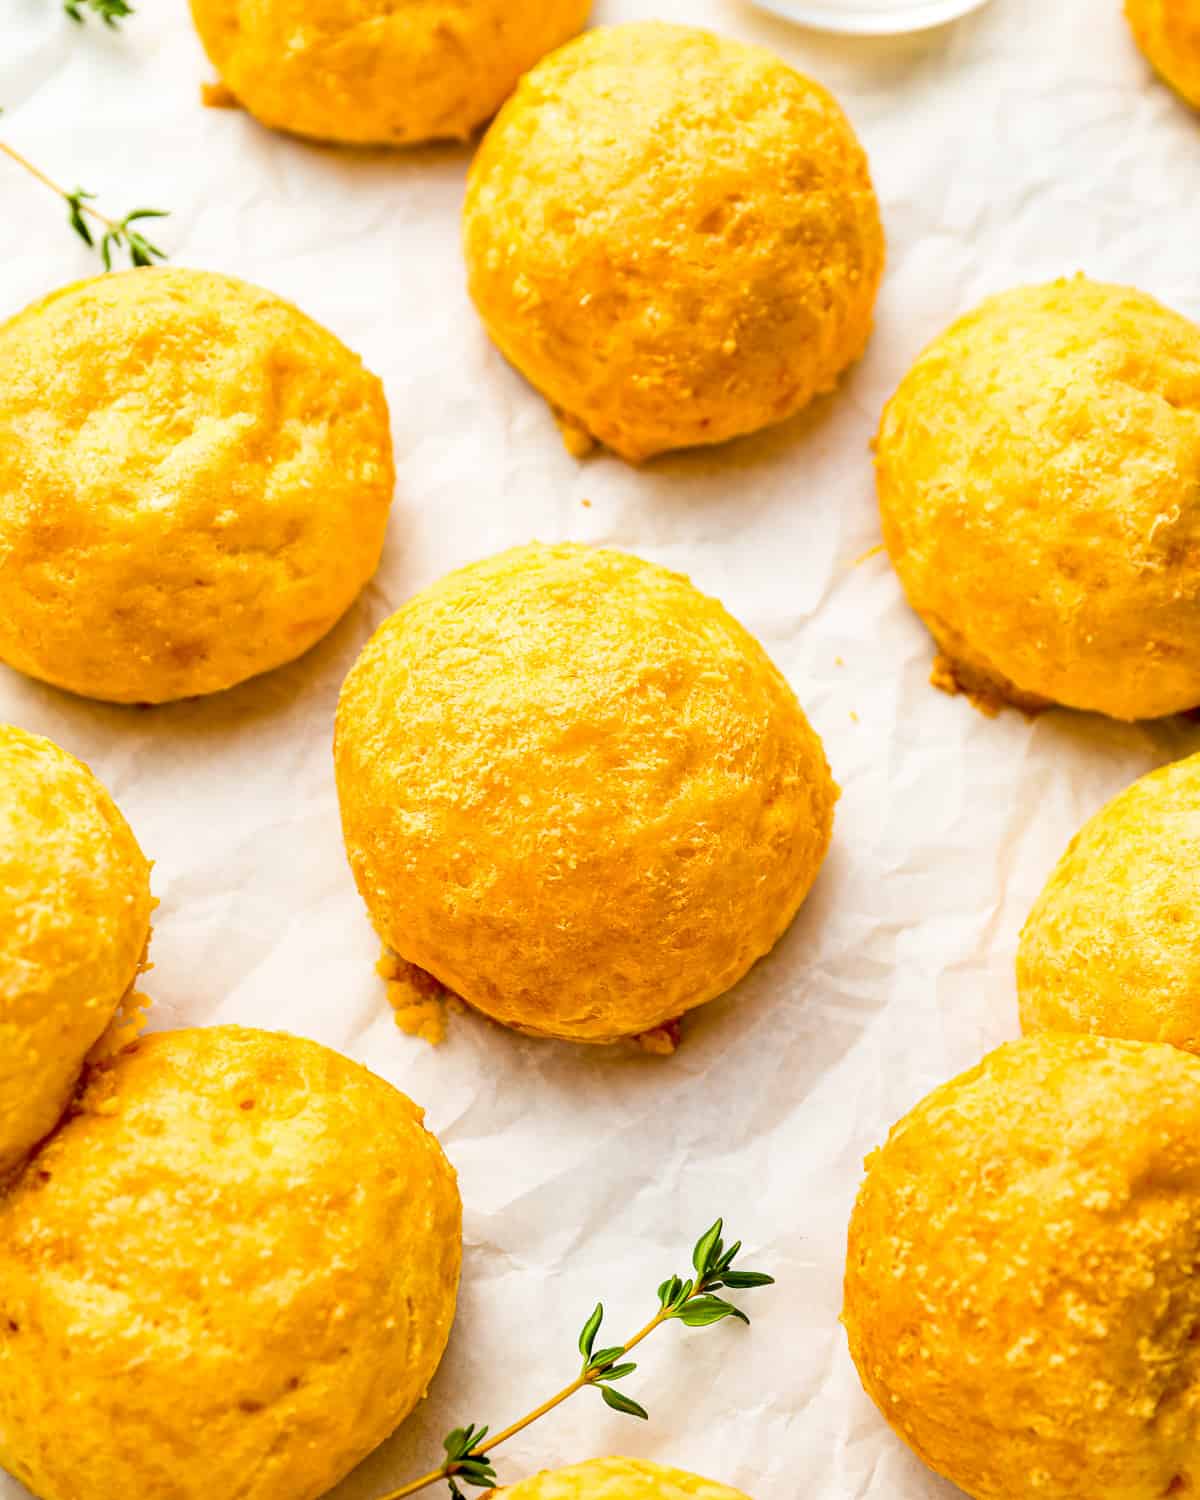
x: 1023, y: 142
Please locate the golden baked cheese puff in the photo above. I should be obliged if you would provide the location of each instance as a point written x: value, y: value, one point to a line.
x: 75, y: 910
x: 1037, y: 471
x: 673, y: 236
x: 619, y: 1479
x: 1021, y: 1292
x: 1168, y: 32
x: 228, y: 1276
x: 1112, y: 945
x: 577, y: 792
x: 194, y: 484
x: 379, y: 72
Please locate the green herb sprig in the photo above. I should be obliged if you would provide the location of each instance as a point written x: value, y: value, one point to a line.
x: 691, y: 1301
x: 118, y: 236
x: 113, y: 238
x: 465, y: 1460
x: 111, y: 12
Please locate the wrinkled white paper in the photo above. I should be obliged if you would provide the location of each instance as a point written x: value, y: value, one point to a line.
x: 1026, y: 141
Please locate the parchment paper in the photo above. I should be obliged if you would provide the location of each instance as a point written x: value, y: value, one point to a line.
x: 1026, y: 141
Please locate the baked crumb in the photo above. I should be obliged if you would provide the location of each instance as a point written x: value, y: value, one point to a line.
x: 577, y: 440
x: 948, y: 678
x: 419, y: 1003
x: 662, y: 1041
x: 984, y: 694
x: 130, y: 1017
x: 943, y: 676
x: 218, y: 96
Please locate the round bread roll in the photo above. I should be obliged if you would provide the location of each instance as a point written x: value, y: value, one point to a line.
x: 577, y: 792
x: 194, y: 484
x: 75, y: 910
x: 619, y: 1479
x: 1021, y: 1292
x: 1112, y: 945
x: 228, y: 1276
x: 1037, y: 473
x: 1168, y: 32
x: 673, y: 236
x: 379, y: 72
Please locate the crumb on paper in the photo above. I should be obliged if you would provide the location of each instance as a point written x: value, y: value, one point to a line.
x: 126, y: 1026
x: 587, y: 504
x: 218, y: 96
x: 129, y: 1019
x: 948, y: 678
x: 984, y: 693
x: 662, y: 1040
x: 419, y: 1003
x: 853, y: 717
x: 868, y: 554
x: 839, y: 661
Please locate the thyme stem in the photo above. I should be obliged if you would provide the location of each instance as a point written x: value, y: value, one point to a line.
x: 46, y: 181
x: 691, y: 1302
x: 119, y: 235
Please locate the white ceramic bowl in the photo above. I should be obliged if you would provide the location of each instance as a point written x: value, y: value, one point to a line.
x: 871, y: 17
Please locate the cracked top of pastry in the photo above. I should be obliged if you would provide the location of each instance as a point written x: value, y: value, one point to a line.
x: 1038, y: 472
x: 673, y: 236
x: 240, y: 1254
x: 1111, y: 945
x: 577, y: 792
x: 1021, y: 1292
x: 195, y: 481
x: 75, y: 910
x: 619, y: 1479
x: 379, y: 72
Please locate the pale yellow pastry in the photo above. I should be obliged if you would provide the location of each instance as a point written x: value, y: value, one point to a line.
x: 1168, y: 32
x: 619, y: 1479
x: 1038, y: 471
x: 1021, y: 1292
x: 577, y: 792
x: 194, y: 484
x: 379, y: 72
x: 673, y: 236
x: 1112, y: 945
x: 74, y: 924
x: 228, y: 1276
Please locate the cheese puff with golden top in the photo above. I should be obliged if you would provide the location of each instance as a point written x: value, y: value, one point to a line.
x: 1168, y: 32
x: 577, y: 792
x: 228, y: 1276
x: 1037, y: 473
x: 673, y: 236
x: 75, y: 910
x: 1021, y: 1292
x: 195, y: 481
x: 619, y: 1479
x: 379, y: 72
x: 1112, y: 944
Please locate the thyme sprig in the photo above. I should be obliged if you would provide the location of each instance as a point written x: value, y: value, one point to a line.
x: 118, y: 236
x: 466, y: 1461
x: 691, y: 1301
x: 112, y: 237
x: 111, y: 12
